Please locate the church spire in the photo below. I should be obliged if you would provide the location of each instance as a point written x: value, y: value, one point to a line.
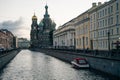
x: 46, y: 12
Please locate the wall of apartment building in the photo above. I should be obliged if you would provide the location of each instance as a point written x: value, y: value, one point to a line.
x: 82, y: 32
x: 64, y: 37
x: 3, y: 40
x: 6, y: 39
x: 93, y: 27
x: 104, y: 19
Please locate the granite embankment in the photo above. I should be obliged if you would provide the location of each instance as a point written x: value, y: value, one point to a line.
x: 6, y: 57
x: 105, y: 64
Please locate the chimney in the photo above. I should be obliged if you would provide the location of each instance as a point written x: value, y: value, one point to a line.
x: 93, y: 4
x: 99, y: 3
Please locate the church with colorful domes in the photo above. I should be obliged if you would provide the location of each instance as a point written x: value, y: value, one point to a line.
x: 41, y: 35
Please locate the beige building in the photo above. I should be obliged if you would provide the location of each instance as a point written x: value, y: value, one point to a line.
x: 104, y: 25
x: 64, y: 36
x: 82, y: 31
x: 96, y: 29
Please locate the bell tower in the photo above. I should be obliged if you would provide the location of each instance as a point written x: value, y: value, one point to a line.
x: 34, y: 31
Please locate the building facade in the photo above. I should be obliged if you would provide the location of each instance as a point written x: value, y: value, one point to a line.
x: 23, y: 43
x: 105, y: 25
x: 98, y: 28
x: 42, y: 33
x: 3, y: 40
x: 64, y: 36
x: 82, y: 31
x: 6, y: 39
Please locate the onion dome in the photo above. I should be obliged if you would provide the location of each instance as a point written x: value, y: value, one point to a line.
x: 46, y: 6
x: 41, y: 24
x: 34, y: 17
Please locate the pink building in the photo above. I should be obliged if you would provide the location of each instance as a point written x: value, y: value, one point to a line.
x: 6, y: 39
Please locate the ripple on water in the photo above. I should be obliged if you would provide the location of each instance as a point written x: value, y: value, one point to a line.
x: 29, y: 65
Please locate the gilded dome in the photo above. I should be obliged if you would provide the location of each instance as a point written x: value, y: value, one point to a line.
x: 34, y: 17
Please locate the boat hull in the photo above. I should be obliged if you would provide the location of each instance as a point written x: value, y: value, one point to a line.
x: 75, y: 65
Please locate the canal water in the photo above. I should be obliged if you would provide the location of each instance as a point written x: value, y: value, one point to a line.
x: 29, y: 65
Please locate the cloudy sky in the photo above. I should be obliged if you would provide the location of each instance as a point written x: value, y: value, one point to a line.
x: 15, y: 15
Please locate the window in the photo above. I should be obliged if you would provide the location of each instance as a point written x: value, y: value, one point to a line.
x: 111, y: 9
x: 98, y: 14
x: 91, y: 18
x: 86, y: 40
x: 80, y: 41
x: 77, y: 42
x: 103, y: 23
x: 98, y: 24
x: 98, y: 34
x: 117, y: 19
x: 111, y: 31
x: 117, y: 30
x: 103, y: 32
x: 94, y: 34
x: 94, y: 26
x: 103, y: 44
x: 111, y: 20
x: 106, y: 32
x: 105, y: 11
x: 91, y: 27
x: 86, y: 29
x: 94, y: 16
x: 106, y: 44
x: 106, y: 22
x: 117, y: 6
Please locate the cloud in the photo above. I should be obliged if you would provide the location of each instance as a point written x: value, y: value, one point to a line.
x: 17, y: 27
x: 11, y: 25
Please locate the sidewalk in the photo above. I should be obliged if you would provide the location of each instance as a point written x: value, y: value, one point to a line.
x: 96, y: 55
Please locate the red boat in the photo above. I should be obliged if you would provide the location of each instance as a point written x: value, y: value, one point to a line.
x: 80, y: 63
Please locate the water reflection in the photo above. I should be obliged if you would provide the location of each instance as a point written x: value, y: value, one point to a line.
x: 29, y: 65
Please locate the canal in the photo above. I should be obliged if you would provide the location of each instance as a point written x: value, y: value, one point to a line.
x: 29, y: 65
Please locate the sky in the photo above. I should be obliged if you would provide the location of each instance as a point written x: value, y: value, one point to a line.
x: 15, y: 15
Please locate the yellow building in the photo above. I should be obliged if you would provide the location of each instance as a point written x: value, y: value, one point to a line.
x: 82, y: 31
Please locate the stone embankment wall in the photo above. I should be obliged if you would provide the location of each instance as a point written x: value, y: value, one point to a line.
x: 7, y: 57
x: 107, y: 65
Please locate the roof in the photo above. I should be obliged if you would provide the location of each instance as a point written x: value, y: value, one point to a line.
x: 80, y: 59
